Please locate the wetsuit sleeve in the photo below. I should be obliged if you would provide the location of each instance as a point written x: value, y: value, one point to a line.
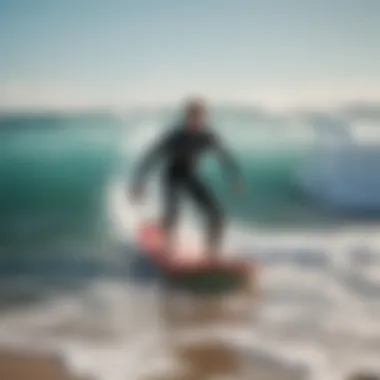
x: 155, y: 153
x: 227, y: 159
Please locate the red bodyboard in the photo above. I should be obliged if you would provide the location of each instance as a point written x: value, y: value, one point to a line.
x: 151, y: 240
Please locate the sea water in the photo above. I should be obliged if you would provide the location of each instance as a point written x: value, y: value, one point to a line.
x: 309, y: 214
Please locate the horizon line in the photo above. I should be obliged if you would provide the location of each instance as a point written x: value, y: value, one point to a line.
x: 172, y: 106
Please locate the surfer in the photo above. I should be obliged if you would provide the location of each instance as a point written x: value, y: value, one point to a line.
x: 182, y: 147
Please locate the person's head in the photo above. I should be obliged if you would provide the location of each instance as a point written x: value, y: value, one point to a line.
x: 195, y: 114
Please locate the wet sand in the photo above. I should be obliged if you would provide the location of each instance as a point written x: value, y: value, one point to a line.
x: 200, y: 362
x: 208, y: 361
x: 17, y: 365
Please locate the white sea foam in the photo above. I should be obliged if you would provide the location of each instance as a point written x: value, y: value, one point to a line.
x: 317, y: 313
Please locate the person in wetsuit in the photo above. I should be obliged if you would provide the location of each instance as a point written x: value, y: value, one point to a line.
x: 182, y: 148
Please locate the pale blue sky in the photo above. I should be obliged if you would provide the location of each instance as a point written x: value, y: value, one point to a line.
x: 95, y: 52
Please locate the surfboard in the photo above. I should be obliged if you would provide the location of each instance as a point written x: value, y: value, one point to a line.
x: 187, y: 267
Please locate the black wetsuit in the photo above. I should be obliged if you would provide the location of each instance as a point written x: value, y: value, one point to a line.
x: 182, y: 149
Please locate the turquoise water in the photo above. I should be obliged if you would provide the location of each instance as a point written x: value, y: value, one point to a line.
x: 53, y: 177
x: 56, y: 172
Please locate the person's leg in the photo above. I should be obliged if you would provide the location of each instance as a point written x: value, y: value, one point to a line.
x: 210, y: 207
x: 170, y: 212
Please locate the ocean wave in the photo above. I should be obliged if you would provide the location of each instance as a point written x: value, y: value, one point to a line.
x: 70, y: 184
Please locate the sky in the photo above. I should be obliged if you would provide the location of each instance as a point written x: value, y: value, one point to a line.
x: 108, y: 53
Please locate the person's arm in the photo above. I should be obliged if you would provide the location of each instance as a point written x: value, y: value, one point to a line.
x: 147, y: 162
